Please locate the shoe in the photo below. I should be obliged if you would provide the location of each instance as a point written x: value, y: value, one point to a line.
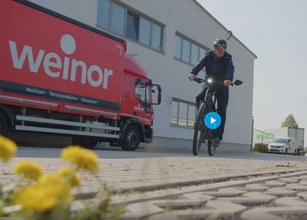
x: 215, y: 142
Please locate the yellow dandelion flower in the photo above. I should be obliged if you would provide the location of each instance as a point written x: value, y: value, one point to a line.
x: 81, y: 158
x: 36, y: 198
x: 60, y: 188
x: 28, y: 169
x: 8, y: 148
x: 70, y: 175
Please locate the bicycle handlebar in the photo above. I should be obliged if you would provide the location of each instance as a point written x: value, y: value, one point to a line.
x: 209, y: 81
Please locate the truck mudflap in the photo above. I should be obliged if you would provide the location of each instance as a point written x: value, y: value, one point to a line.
x: 148, y: 135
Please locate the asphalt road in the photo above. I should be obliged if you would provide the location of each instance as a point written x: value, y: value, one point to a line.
x: 116, y: 152
x: 49, y: 146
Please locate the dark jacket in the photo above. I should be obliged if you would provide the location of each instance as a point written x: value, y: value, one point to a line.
x: 219, y: 69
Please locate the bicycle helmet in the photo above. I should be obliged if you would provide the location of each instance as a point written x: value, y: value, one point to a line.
x: 220, y: 42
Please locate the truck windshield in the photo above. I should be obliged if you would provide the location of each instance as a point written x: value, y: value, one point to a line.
x: 280, y: 141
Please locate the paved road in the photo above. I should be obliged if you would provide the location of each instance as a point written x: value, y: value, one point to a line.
x: 274, y: 197
x: 192, y: 186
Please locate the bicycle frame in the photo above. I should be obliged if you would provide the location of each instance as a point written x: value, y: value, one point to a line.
x: 208, y: 98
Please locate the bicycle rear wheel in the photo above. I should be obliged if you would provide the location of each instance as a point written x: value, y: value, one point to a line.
x: 199, y: 129
x: 211, y: 149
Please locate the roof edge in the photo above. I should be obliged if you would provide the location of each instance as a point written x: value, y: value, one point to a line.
x: 222, y: 26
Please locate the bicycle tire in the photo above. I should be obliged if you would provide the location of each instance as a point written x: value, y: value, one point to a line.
x: 211, y: 149
x: 199, y: 129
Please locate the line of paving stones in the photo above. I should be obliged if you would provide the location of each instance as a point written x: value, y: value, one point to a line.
x: 146, y: 173
x: 279, y: 196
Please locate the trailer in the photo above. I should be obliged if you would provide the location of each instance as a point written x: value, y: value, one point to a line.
x: 60, y: 76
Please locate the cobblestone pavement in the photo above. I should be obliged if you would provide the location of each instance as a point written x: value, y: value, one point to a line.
x: 187, y: 187
x: 127, y: 174
x: 272, y: 197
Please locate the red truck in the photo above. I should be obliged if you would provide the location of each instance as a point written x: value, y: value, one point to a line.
x: 60, y: 76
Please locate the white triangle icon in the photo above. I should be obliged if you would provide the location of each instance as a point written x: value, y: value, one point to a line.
x: 212, y: 120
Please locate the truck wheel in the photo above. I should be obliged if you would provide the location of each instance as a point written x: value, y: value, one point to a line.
x: 131, y: 139
x: 85, y: 142
x: 4, y: 125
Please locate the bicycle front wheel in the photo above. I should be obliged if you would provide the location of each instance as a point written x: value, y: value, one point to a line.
x: 199, y: 129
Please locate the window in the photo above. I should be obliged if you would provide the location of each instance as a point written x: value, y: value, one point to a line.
x: 194, y: 54
x: 191, y: 115
x: 132, y: 28
x: 156, y: 37
x: 103, y: 17
x: 124, y: 22
x: 185, y: 51
x: 178, y: 47
x: 144, y: 31
x: 188, y: 51
x: 117, y: 19
x: 175, y: 109
x: 142, y: 93
x: 183, y: 113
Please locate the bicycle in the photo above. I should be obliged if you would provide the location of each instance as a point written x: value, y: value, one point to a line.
x: 202, y: 133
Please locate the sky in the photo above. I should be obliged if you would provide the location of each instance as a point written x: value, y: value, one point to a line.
x: 276, y: 31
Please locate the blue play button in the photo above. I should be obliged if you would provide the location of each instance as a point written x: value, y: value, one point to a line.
x: 212, y: 120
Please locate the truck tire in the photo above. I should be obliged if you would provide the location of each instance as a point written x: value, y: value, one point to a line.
x: 131, y: 139
x: 4, y: 125
x: 89, y: 143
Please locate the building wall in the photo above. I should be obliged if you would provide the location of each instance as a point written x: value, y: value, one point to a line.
x: 188, y: 18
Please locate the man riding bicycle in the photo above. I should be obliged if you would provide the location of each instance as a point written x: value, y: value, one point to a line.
x: 218, y: 66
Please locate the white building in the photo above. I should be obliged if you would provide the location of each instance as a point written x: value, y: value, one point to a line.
x: 168, y: 38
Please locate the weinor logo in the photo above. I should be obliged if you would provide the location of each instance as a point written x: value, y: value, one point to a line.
x: 55, y: 66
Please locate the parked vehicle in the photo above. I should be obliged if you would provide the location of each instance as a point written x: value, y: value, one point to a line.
x: 285, y: 145
x: 266, y: 136
x: 60, y: 76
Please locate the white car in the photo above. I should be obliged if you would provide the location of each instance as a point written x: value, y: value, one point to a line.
x: 286, y: 145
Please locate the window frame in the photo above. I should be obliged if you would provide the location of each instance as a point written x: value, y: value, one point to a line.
x: 181, y: 38
x: 111, y: 13
x: 141, y: 85
x: 177, y: 121
x: 128, y: 9
x: 134, y: 15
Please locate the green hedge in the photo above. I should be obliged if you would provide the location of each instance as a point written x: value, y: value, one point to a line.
x: 261, y: 148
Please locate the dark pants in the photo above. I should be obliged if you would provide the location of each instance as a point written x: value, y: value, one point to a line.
x: 222, y: 96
